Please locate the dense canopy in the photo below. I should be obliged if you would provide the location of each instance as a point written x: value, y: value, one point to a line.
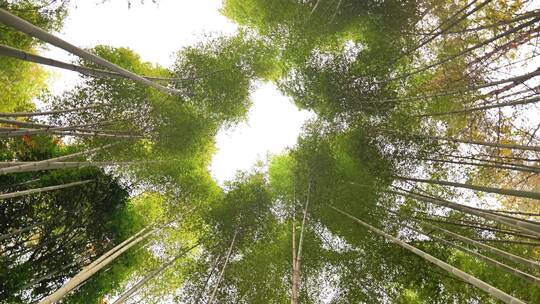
x: 416, y: 181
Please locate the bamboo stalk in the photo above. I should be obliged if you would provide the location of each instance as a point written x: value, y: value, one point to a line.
x: 43, y: 189
x: 494, y: 292
x: 509, y: 192
x: 499, y: 252
x: 150, y: 276
x: 211, y: 300
x: 517, y: 223
x: 44, y: 164
x: 484, y: 258
x: 484, y: 107
x: 24, y: 26
x: 32, y: 114
x: 94, y: 267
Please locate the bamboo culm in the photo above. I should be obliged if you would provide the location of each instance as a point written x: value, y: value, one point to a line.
x: 483, y: 258
x: 24, y: 26
x: 229, y: 253
x: 494, y: 292
x: 43, y: 189
x: 499, y: 252
x: 509, y: 192
x: 517, y: 223
x: 150, y: 276
x: 44, y: 164
x: 93, y: 268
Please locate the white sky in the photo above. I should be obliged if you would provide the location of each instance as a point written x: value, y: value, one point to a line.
x: 155, y: 32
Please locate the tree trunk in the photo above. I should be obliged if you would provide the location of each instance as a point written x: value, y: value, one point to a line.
x: 36, y: 32
x: 515, y: 79
x: 94, y: 267
x: 214, y: 267
x: 534, y: 244
x: 486, y: 228
x: 522, y: 225
x: 495, y: 166
x: 66, y: 165
x: 44, y: 164
x: 300, y: 245
x: 25, y: 229
x: 484, y: 258
x: 468, y: 50
x: 446, y: 28
x: 509, y: 192
x: 150, y: 276
x: 43, y: 189
x: 494, y: 292
x: 293, y: 275
x: 485, y: 107
x: 32, y: 114
x: 501, y: 253
x: 22, y: 55
x: 211, y: 300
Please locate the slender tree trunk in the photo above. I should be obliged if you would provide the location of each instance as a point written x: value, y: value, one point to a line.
x: 509, y: 192
x: 43, y: 189
x: 484, y: 107
x: 300, y: 246
x: 22, y: 55
x: 95, y: 266
x: 477, y: 142
x: 501, y: 253
x: 468, y: 50
x: 483, y: 27
x: 534, y: 244
x: 495, y: 166
x: 211, y: 300
x: 25, y: 229
x: 66, y: 131
x: 32, y: 114
x: 44, y: 164
x: 68, y: 165
x: 484, y: 258
x: 150, y: 276
x: 486, y: 228
x: 513, y: 212
x: 494, y: 292
x: 514, y: 79
x: 214, y: 267
x: 24, y: 124
x: 446, y: 28
x: 13, y: 21
x: 519, y: 224
x: 294, y: 270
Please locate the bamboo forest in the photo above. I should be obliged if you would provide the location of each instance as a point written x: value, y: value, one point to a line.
x: 416, y: 179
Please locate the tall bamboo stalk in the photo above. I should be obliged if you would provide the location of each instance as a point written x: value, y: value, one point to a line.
x: 20, y: 54
x: 483, y: 258
x: 300, y: 246
x: 135, y: 288
x: 45, y: 164
x: 492, y: 291
x: 484, y: 107
x: 517, y: 223
x: 52, y: 112
x: 26, y: 27
x: 510, y: 192
x: 211, y: 300
x: 43, y: 189
x: 467, y: 50
x: 95, y: 267
x: 497, y: 251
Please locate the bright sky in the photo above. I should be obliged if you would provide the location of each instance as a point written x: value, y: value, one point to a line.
x: 156, y: 32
